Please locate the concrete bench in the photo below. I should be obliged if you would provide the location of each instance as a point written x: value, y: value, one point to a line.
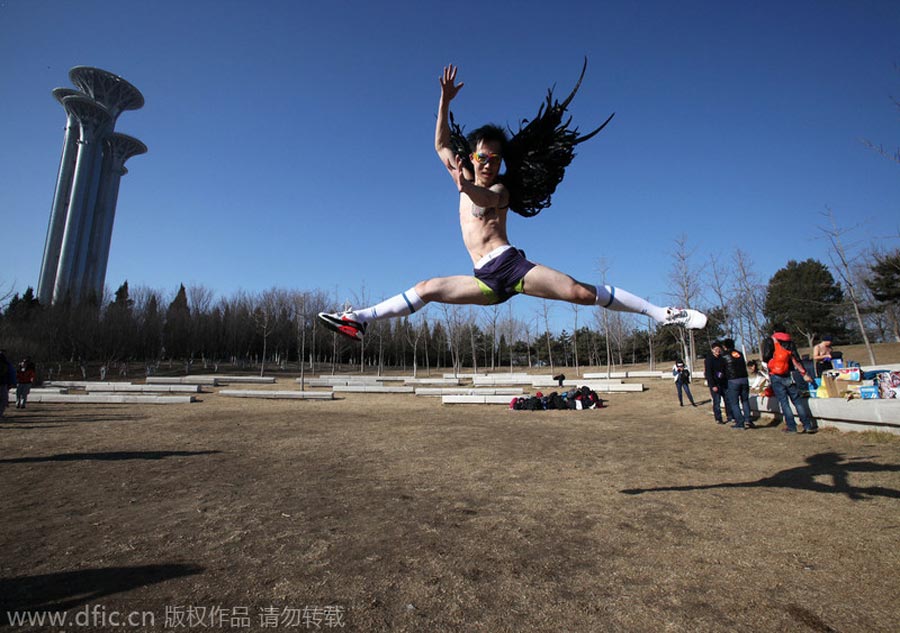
x: 327, y: 381
x: 544, y: 382
x: 469, y: 391
x: 373, y: 389
x: 252, y: 380
x: 449, y: 382
x: 207, y: 381
x: 492, y: 380
x: 630, y: 374
x: 278, y: 395
x: 131, y: 388
x: 852, y: 415
x: 110, y: 399
x: 475, y: 400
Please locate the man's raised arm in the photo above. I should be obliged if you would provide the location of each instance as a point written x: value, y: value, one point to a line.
x: 442, y: 131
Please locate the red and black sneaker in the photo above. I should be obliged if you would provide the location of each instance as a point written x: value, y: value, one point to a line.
x: 343, y: 324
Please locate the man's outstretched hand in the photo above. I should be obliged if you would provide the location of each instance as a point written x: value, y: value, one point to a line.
x: 449, y: 89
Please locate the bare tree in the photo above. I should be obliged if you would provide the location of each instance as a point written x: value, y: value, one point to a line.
x: 749, y: 295
x: 452, y: 316
x: 842, y: 263
x: 545, y: 313
x: 687, y: 293
x: 575, y: 307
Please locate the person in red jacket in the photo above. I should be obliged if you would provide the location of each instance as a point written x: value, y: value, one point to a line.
x: 24, y: 380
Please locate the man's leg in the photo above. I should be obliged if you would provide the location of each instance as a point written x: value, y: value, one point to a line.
x: 717, y: 404
x: 734, y: 405
x: 678, y: 388
x: 802, y: 406
x: 744, y: 399
x: 547, y: 283
x: 780, y: 387
x: 459, y: 289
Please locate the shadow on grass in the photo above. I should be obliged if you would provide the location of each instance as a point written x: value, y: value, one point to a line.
x: 833, y: 465
x: 105, y: 457
x: 65, y: 590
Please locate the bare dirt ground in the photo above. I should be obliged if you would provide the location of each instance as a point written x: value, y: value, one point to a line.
x: 395, y: 513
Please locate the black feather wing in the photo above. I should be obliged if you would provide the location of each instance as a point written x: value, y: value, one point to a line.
x: 460, y: 145
x: 537, y: 156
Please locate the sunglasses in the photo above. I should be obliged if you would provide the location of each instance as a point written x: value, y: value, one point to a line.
x: 484, y: 157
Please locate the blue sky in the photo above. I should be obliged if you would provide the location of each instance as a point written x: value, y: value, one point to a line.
x: 291, y: 143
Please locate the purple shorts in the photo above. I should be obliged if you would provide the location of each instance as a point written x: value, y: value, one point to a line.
x: 503, y: 276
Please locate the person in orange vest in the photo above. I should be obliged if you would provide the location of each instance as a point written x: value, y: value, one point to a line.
x: 781, y: 357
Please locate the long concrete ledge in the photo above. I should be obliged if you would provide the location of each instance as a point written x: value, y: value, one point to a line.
x: 469, y: 391
x: 464, y: 374
x: 475, y: 400
x: 278, y: 395
x: 630, y: 374
x: 127, y: 387
x: 572, y: 382
x: 110, y: 399
x: 488, y: 381
x: 433, y: 381
x: 373, y: 389
x: 852, y: 415
x: 97, y: 386
x: 208, y: 381
x: 328, y: 381
x: 225, y: 379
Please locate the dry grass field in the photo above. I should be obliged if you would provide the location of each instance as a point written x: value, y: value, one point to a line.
x: 395, y: 513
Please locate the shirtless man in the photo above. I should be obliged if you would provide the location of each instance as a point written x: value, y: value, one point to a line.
x: 501, y: 270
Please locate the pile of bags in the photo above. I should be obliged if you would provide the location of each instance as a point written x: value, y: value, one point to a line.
x: 575, y: 399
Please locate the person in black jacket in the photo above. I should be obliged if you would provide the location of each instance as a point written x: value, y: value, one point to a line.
x: 714, y: 372
x: 738, y: 393
x: 683, y: 382
x: 781, y: 360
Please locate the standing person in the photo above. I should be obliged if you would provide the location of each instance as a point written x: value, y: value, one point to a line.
x: 501, y: 270
x: 822, y: 356
x: 738, y: 391
x: 714, y: 372
x: 7, y: 381
x: 24, y: 380
x: 780, y: 354
x: 683, y: 382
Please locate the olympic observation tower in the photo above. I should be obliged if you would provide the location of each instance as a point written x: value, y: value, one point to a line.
x: 87, y: 185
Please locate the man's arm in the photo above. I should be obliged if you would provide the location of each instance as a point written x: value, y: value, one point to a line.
x: 798, y: 364
x: 442, y: 130
x: 497, y: 197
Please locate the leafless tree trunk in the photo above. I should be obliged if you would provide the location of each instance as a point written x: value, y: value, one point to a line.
x: 575, y: 307
x: 749, y: 294
x: 545, y: 310
x: 687, y: 291
x: 841, y: 262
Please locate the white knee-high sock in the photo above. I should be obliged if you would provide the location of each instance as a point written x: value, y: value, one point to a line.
x: 402, y: 304
x: 613, y: 298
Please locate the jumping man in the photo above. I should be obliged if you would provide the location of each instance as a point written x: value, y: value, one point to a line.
x: 500, y: 269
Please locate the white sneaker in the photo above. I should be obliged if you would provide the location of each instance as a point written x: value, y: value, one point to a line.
x: 688, y: 319
x: 343, y: 324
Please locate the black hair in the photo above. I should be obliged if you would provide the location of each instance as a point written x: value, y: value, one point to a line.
x: 728, y: 343
x: 490, y: 133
